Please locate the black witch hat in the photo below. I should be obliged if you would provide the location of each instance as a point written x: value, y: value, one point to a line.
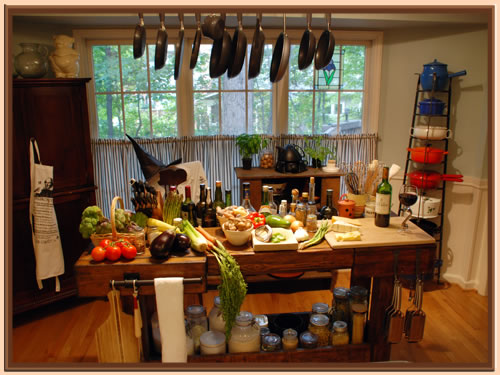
x: 149, y: 164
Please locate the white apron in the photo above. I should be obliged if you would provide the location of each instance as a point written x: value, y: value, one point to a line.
x: 44, y: 229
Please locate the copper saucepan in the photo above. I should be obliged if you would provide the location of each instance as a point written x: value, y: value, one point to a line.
x: 430, y: 180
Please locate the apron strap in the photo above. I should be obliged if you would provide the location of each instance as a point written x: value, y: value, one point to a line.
x: 58, y: 284
x: 34, y: 152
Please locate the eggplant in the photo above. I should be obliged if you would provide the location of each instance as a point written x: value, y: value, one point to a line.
x: 162, y: 245
x: 181, y: 243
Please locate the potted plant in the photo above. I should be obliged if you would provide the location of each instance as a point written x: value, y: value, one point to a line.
x: 250, y: 144
x: 318, y: 152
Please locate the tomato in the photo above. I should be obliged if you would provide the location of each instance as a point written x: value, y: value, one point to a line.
x: 122, y: 243
x: 113, y: 252
x: 129, y: 251
x: 98, y: 253
x: 104, y: 243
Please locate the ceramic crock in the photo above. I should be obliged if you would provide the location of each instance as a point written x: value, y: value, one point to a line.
x: 32, y: 61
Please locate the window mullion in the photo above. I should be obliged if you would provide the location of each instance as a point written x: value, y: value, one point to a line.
x: 313, y: 102
x: 121, y: 88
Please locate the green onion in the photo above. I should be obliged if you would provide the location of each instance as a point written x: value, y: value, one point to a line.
x: 318, y: 236
x: 198, y: 242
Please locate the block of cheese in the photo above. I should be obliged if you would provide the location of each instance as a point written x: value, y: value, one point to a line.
x: 346, y: 220
x: 342, y: 226
x: 349, y: 236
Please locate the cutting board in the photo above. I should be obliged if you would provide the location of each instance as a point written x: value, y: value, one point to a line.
x: 372, y: 235
x: 290, y: 242
x: 115, y: 338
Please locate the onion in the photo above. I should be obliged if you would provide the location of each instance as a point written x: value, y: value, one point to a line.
x: 296, y: 225
x: 290, y: 218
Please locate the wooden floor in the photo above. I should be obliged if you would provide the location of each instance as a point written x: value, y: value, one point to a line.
x: 456, y: 326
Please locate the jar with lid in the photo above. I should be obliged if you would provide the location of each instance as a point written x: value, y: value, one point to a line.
x: 358, y: 295
x: 320, y: 308
x: 267, y: 159
x: 318, y: 324
x: 312, y: 223
x: 339, y: 335
x: 340, y: 305
x: 189, y: 339
x: 213, y: 342
x: 308, y: 340
x: 245, y: 335
x: 197, y: 322
x: 215, y: 319
x: 358, y: 322
x: 263, y: 332
x: 290, y: 341
x: 271, y: 342
x: 261, y: 320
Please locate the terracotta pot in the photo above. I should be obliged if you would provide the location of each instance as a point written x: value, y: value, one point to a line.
x: 346, y: 207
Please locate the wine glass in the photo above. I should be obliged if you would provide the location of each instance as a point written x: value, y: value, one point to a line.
x: 408, y: 195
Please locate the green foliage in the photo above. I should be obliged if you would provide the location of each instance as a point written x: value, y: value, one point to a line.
x: 250, y: 144
x: 317, y: 151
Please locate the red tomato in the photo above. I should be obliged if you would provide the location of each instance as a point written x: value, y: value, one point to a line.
x: 113, y: 252
x: 122, y: 243
x: 98, y: 253
x: 104, y: 243
x: 129, y: 252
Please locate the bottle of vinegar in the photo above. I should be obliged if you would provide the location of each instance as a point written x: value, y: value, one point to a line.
x: 218, y: 202
x: 209, y: 219
x: 246, y: 198
x: 264, y: 206
x: 383, y: 201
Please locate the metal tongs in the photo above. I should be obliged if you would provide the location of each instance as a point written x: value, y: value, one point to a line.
x: 263, y: 233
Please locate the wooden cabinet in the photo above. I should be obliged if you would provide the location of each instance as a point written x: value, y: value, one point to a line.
x: 55, y: 113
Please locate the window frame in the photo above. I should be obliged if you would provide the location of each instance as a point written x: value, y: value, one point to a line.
x: 185, y: 111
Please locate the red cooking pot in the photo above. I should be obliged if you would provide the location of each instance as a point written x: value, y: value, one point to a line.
x: 428, y: 155
x: 430, y: 180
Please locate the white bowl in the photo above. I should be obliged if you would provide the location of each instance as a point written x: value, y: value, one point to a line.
x: 430, y: 132
x: 222, y: 219
x: 237, y: 237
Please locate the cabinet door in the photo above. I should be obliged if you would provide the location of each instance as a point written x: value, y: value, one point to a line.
x: 56, y: 116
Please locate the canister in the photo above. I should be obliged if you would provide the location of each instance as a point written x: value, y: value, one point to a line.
x: 346, y: 207
x: 213, y: 342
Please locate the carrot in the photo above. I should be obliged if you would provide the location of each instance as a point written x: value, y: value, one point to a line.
x: 205, y: 234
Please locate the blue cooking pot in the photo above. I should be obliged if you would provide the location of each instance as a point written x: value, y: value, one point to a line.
x: 441, y: 72
x: 431, y: 106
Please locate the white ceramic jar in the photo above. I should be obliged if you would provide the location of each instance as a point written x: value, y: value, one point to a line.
x: 213, y: 342
x: 215, y: 319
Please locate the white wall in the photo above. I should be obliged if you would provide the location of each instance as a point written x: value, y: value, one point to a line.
x: 465, y: 218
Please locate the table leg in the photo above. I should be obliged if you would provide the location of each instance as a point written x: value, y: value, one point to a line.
x: 380, y: 299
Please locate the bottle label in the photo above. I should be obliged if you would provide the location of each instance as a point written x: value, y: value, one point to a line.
x: 185, y: 215
x: 265, y: 208
x: 199, y: 221
x: 383, y: 204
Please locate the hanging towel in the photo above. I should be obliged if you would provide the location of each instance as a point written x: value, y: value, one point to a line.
x: 170, y: 306
x: 43, y: 220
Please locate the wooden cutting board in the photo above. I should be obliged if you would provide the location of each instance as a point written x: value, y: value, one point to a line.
x: 372, y: 235
x: 115, y: 338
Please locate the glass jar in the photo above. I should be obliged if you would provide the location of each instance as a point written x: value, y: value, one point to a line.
x: 312, y: 223
x: 215, y: 319
x: 340, y: 305
x: 358, y: 322
x: 318, y: 324
x: 264, y: 331
x: 261, y: 320
x: 189, y: 339
x: 197, y: 323
x: 320, y: 308
x: 245, y: 335
x: 358, y: 295
x: 271, y: 342
x: 339, y: 335
x: 213, y: 342
x: 290, y: 341
x: 152, y: 233
x: 267, y: 159
x: 308, y: 340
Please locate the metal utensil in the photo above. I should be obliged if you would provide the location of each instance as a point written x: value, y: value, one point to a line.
x: 397, y: 319
x: 352, y: 182
x: 139, y: 41
x: 390, y: 309
x: 179, y: 49
x: 416, y: 328
x: 161, y: 44
x: 196, y: 43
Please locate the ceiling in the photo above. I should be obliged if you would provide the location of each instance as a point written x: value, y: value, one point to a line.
x: 373, y: 21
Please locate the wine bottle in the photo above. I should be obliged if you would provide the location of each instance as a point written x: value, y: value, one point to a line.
x: 218, y: 202
x: 200, y: 206
x: 209, y: 218
x: 264, y: 206
x: 228, y: 200
x: 328, y: 210
x: 272, y: 204
x: 246, y: 198
x: 188, y: 207
x: 383, y: 200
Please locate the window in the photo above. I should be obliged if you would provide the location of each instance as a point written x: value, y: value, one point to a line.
x: 232, y: 106
x: 328, y: 101
x: 130, y: 96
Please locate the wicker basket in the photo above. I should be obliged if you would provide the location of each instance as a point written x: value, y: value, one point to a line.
x: 138, y: 239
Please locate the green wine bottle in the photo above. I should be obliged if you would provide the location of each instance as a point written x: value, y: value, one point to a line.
x: 383, y: 200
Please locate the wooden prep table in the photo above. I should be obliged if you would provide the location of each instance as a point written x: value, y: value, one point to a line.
x: 370, y: 261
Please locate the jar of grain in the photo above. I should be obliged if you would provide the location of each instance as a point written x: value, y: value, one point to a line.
x: 197, y: 323
x: 340, y: 305
x: 213, y: 342
x: 318, y: 324
x: 271, y: 342
x: 339, y: 335
x: 358, y: 322
x: 290, y: 340
x: 215, y: 319
x: 267, y: 160
x: 320, y: 308
x: 245, y: 335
